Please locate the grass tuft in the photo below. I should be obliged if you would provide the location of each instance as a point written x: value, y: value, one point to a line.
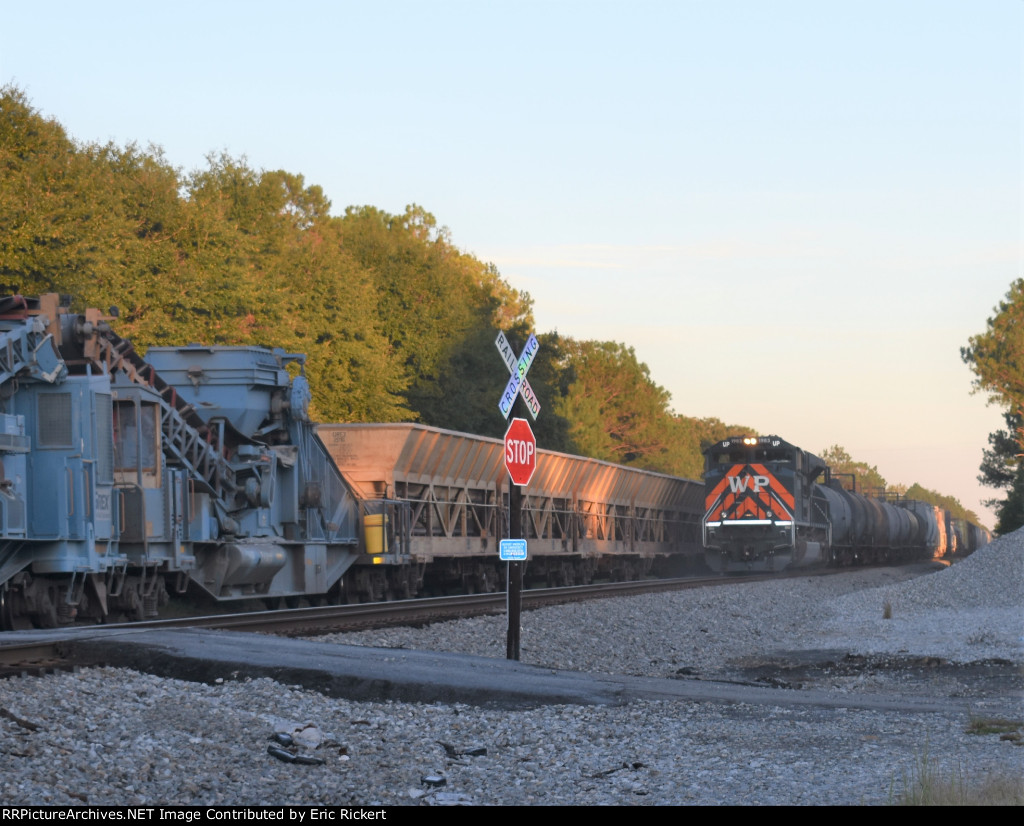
x: 994, y: 725
x: 928, y: 786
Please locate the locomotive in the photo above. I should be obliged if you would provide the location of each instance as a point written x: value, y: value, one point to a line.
x: 770, y: 505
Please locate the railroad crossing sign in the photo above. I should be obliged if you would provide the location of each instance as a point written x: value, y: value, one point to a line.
x: 518, y: 367
x: 520, y: 452
x: 520, y: 462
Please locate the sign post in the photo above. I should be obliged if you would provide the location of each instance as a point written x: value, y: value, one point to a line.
x: 520, y: 448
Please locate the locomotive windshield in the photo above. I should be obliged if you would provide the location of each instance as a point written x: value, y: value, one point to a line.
x: 773, y: 455
x: 747, y: 455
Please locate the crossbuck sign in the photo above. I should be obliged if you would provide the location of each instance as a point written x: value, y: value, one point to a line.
x: 518, y: 368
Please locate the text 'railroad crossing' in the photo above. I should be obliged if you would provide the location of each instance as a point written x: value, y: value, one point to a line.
x: 518, y: 368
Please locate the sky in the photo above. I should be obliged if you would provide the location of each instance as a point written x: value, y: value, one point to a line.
x: 795, y: 212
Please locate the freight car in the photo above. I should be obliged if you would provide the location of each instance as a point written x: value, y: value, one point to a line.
x: 582, y: 518
x: 126, y: 478
x: 770, y: 505
x: 197, y: 471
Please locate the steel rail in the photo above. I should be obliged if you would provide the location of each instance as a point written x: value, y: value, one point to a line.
x: 45, y: 654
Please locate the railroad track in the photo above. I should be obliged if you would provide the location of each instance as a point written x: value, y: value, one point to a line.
x: 33, y: 659
x: 43, y: 651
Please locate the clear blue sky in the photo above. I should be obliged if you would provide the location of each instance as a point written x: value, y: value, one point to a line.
x: 795, y: 212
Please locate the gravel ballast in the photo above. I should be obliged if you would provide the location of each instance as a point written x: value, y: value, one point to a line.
x: 114, y: 736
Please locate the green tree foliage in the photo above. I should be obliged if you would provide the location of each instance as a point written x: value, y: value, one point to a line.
x: 1001, y: 459
x: 1010, y: 511
x: 997, y: 359
x: 997, y: 355
x: 227, y: 255
x: 397, y: 323
x: 691, y: 437
x: 77, y: 218
x: 617, y: 413
x: 868, y: 479
x: 950, y: 503
x: 1002, y: 469
x: 440, y: 310
x: 473, y: 378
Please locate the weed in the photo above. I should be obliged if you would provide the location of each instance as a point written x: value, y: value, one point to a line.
x: 994, y: 725
x: 928, y: 786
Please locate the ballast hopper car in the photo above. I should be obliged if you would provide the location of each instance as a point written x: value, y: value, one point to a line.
x: 582, y: 518
x: 125, y: 478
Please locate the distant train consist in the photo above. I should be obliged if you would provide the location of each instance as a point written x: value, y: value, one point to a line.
x: 770, y: 505
x: 197, y: 471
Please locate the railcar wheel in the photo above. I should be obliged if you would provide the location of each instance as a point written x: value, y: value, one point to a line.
x: 45, y: 615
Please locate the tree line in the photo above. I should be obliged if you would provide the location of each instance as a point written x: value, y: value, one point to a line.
x: 397, y: 322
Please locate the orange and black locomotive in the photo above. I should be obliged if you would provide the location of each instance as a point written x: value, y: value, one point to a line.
x: 770, y: 505
x: 763, y: 510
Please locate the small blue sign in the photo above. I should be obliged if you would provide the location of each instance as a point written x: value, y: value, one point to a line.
x: 512, y: 550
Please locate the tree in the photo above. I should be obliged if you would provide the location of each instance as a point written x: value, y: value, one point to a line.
x: 440, y: 310
x: 1002, y: 469
x: 226, y: 255
x: 615, y: 411
x: 268, y: 267
x: 997, y: 355
x: 471, y: 381
x: 867, y: 476
x: 79, y: 219
x: 997, y: 359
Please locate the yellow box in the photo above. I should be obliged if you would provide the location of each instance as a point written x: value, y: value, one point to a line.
x: 374, y: 525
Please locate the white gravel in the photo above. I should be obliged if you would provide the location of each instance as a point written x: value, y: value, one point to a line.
x: 108, y: 736
x: 965, y: 613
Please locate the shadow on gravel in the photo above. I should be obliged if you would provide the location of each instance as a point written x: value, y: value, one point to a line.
x: 925, y: 676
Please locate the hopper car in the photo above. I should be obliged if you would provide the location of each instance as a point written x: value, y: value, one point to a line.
x: 770, y: 505
x: 197, y: 471
x: 582, y: 518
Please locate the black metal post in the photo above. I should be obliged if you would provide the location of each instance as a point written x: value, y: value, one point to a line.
x: 514, y: 574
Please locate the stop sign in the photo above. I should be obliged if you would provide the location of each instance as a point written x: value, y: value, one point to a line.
x: 520, y: 452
